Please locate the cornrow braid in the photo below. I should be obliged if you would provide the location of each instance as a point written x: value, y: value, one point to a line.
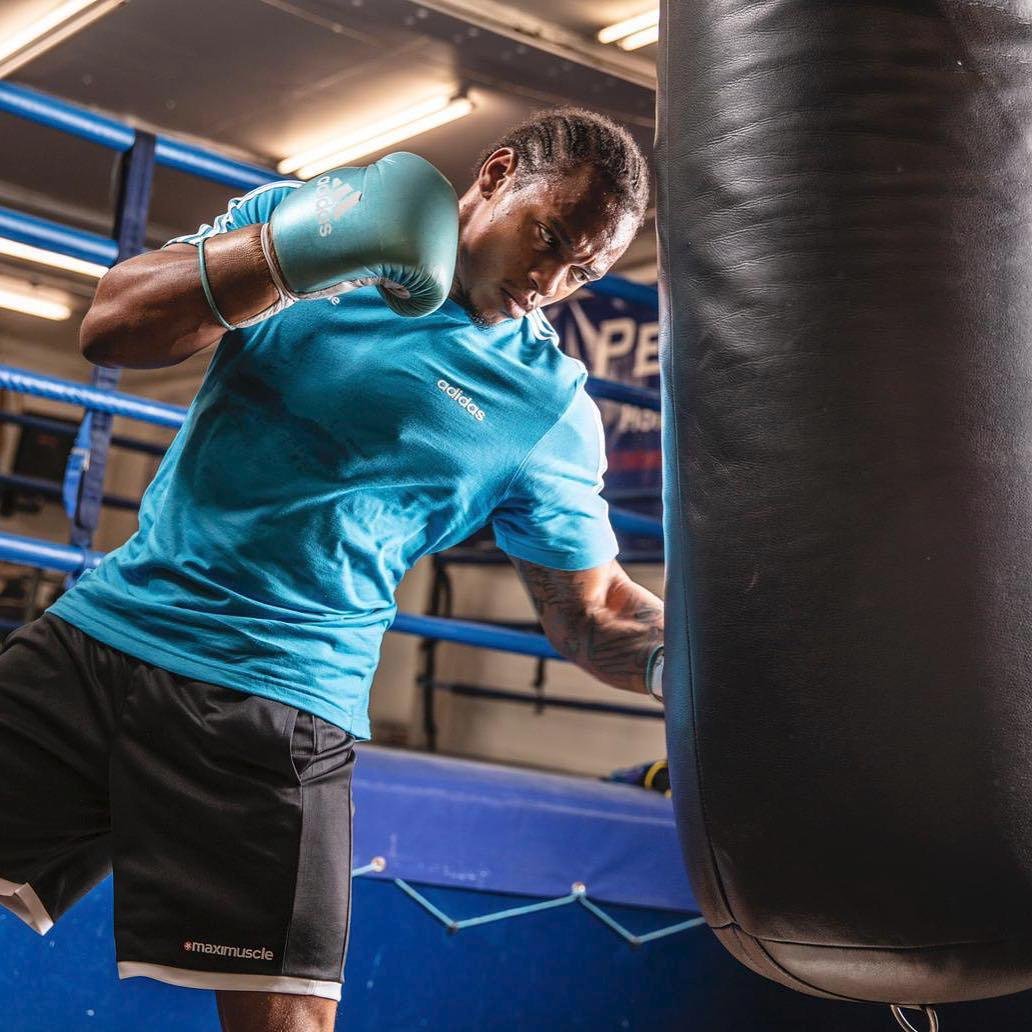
x: 555, y: 142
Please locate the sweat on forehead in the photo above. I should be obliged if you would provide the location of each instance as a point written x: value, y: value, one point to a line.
x: 568, y: 185
x: 581, y: 196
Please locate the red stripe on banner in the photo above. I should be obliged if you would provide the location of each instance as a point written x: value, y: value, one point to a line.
x: 624, y: 459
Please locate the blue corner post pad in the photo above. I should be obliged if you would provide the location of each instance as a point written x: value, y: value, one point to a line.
x: 78, y: 460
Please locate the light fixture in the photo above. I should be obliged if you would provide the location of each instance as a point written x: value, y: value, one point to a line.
x: 40, y: 35
x: 38, y: 301
x: 632, y: 33
x: 28, y: 253
x: 637, y: 40
x: 340, y: 150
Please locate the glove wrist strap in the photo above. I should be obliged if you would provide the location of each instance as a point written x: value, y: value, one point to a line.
x: 285, y: 300
x: 202, y: 268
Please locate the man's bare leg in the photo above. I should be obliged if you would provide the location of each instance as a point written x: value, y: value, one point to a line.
x: 275, y: 1012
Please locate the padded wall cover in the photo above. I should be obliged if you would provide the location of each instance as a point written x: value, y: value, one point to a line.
x: 845, y: 197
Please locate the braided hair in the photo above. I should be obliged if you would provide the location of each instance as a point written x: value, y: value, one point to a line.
x: 555, y: 142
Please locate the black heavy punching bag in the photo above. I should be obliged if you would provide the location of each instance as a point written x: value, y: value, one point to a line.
x: 846, y: 238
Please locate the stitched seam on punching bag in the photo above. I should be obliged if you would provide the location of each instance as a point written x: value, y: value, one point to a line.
x: 799, y: 981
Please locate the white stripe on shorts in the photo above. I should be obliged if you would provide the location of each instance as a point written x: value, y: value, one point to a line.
x: 227, y: 980
x: 23, y: 902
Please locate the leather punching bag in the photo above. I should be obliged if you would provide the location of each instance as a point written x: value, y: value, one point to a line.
x: 846, y: 233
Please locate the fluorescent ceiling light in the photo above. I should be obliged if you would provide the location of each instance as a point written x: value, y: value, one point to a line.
x: 387, y: 131
x: 39, y: 36
x: 631, y: 26
x: 45, y: 304
x: 637, y: 40
x: 28, y: 253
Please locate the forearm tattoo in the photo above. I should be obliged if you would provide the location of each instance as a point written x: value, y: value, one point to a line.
x: 601, y: 620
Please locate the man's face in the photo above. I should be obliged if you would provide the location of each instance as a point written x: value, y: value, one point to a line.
x: 524, y: 245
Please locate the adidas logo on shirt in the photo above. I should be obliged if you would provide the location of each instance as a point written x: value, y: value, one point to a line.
x: 464, y: 400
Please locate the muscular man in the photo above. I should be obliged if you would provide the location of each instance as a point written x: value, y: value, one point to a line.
x: 187, y: 713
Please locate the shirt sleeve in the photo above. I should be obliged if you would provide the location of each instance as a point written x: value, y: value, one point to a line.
x: 553, y: 514
x: 250, y: 210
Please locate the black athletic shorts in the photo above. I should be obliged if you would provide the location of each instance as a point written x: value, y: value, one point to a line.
x: 225, y: 816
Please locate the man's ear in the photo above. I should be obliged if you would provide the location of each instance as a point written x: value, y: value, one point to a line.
x: 496, y: 171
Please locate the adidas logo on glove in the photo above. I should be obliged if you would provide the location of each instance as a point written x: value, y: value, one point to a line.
x: 333, y: 199
x: 464, y: 400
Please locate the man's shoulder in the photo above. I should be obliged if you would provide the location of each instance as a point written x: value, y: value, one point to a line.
x: 542, y: 342
x: 575, y: 424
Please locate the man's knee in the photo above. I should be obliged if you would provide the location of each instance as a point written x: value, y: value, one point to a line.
x: 275, y: 1012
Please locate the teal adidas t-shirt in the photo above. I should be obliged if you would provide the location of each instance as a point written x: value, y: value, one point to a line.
x: 328, y: 449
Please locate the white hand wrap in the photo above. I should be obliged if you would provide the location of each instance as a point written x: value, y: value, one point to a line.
x: 654, y: 674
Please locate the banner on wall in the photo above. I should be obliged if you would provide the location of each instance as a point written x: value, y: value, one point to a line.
x: 619, y: 340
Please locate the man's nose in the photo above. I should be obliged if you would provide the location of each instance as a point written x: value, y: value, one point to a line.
x: 547, y: 280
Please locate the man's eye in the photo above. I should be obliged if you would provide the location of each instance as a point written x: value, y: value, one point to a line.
x: 547, y: 237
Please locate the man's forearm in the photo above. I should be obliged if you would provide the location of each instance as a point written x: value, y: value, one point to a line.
x: 619, y: 640
x: 609, y: 629
x: 151, y: 311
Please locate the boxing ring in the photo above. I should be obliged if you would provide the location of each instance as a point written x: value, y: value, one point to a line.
x: 484, y: 897
x: 484, y: 880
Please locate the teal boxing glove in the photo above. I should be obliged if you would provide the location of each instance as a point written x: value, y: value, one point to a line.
x: 394, y: 224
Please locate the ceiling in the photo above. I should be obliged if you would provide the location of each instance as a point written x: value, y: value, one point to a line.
x: 261, y: 79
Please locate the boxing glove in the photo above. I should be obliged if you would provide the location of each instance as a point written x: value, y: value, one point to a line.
x: 394, y: 224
